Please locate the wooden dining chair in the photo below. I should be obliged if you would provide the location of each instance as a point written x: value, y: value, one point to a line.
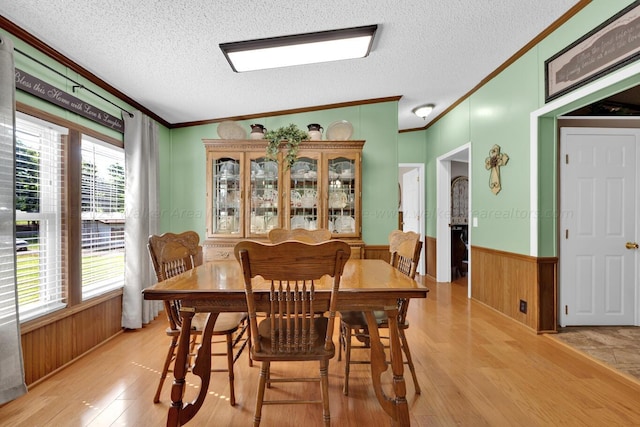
x: 172, y: 254
x: 278, y: 235
x: 405, y: 248
x: 291, y: 332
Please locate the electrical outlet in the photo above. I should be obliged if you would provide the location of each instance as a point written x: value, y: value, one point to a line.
x: 523, y: 306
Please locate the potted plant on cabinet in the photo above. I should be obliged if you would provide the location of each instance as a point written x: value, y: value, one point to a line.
x: 290, y: 134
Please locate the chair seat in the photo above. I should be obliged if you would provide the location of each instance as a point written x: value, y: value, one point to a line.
x: 404, y: 248
x: 228, y: 322
x: 198, y: 322
x: 316, y: 349
x: 225, y: 323
x: 357, y: 320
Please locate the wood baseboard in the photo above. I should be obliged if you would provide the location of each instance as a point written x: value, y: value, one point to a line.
x: 431, y: 256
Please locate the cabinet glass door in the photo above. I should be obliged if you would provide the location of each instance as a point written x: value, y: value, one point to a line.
x: 227, y: 195
x: 343, y: 190
x: 304, y: 194
x: 264, y: 203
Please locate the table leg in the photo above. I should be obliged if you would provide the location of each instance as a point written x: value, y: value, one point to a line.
x: 396, y: 407
x: 180, y: 414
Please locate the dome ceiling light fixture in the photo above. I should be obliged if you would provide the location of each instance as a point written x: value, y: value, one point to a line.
x: 423, y: 111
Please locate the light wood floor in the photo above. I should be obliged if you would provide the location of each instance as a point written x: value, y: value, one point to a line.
x: 475, y: 366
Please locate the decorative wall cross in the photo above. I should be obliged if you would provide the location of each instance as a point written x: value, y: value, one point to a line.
x: 493, y: 163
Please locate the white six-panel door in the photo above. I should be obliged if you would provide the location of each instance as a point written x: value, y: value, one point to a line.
x: 598, y: 218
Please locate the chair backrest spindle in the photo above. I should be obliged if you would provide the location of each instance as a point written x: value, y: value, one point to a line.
x: 291, y: 268
x: 405, y: 248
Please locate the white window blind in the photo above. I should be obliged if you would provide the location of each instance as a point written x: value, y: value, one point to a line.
x: 102, y: 217
x: 39, y: 183
x: 7, y: 254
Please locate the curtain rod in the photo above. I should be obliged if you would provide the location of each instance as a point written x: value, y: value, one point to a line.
x: 77, y: 85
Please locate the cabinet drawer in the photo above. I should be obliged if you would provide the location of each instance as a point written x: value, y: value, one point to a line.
x: 217, y: 252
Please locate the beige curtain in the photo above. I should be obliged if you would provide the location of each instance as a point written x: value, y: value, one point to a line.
x: 12, y: 383
x: 142, y: 217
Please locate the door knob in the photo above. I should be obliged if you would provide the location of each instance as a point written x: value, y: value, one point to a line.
x: 631, y: 245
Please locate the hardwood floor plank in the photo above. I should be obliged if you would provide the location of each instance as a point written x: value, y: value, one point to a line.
x: 475, y: 366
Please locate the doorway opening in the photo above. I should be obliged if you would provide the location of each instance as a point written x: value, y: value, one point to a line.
x: 449, y: 166
x: 412, y: 204
x: 598, y: 98
x: 597, y: 266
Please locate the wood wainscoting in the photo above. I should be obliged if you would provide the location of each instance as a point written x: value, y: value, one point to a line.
x: 53, y: 342
x: 502, y: 280
x: 431, y: 256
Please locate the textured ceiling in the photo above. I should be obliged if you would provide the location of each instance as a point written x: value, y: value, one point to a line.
x: 165, y: 55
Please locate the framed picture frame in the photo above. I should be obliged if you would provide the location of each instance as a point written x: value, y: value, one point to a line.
x: 610, y: 46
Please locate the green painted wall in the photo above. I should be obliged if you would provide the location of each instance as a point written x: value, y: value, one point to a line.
x: 183, y: 167
x: 182, y: 161
x: 182, y: 181
x: 499, y: 113
x: 548, y: 196
x: 548, y: 144
x: 448, y: 133
x: 412, y: 147
x: 26, y: 64
x: 379, y: 127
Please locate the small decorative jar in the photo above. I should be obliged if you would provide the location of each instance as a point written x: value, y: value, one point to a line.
x: 315, y: 131
x: 257, y: 131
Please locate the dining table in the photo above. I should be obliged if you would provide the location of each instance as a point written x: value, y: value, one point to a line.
x: 217, y: 286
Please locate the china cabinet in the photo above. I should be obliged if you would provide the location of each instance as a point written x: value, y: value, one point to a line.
x: 249, y: 194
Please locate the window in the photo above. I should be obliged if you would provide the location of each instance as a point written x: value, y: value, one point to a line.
x: 69, y: 216
x: 39, y: 204
x: 102, y: 217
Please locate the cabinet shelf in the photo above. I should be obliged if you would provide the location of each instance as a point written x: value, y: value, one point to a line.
x: 248, y: 194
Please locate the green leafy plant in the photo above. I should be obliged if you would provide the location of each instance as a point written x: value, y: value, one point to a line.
x: 292, y: 136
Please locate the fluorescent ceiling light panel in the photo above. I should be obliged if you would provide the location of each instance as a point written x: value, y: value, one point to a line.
x: 299, y: 49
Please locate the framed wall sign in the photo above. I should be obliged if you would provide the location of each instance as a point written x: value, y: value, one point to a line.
x: 608, y: 47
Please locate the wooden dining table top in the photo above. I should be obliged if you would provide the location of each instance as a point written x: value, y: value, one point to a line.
x: 361, y: 279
